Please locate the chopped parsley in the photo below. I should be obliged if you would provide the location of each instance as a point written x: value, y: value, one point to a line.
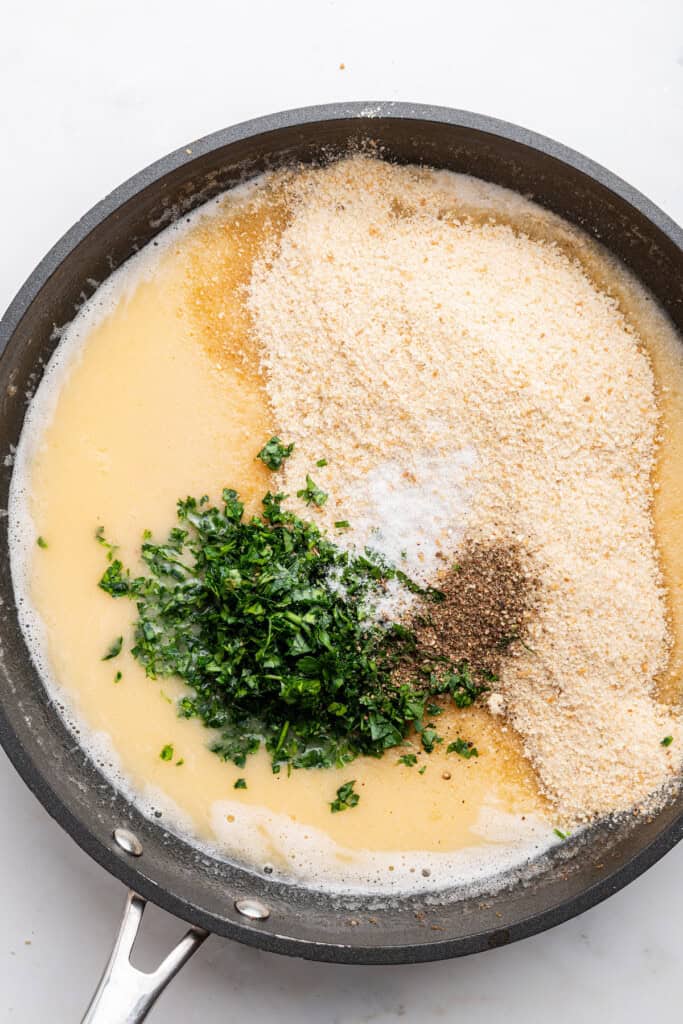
x: 429, y: 737
x: 179, y: 762
x: 274, y: 453
x: 41, y: 542
x: 240, y: 784
x: 422, y: 770
x: 460, y: 684
x: 408, y: 760
x: 312, y: 494
x: 321, y: 462
x: 114, y: 650
x: 118, y: 677
x: 346, y: 798
x: 271, y: 625
x: 506, y: 642
x: 111, y: 549
x: 560, y: 834
x: 342, y: 524
x: 167, y: 752
x: 462, y: 747
x: 667, y: 741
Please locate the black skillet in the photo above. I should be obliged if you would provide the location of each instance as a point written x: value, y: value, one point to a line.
x: 210, y: 894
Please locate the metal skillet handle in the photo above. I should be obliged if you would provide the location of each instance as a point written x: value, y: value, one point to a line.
x: 125, y: 995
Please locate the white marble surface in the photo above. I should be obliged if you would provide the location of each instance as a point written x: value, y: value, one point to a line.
x: 90, y: 93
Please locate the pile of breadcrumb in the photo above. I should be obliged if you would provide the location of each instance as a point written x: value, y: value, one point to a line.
x: 470, y: 385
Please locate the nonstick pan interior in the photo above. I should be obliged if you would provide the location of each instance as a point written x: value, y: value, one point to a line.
x: 170, y: 872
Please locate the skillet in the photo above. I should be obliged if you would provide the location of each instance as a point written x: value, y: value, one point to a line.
x: 210, y: 894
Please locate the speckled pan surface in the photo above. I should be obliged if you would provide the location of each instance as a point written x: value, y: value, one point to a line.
x: 169, y: 872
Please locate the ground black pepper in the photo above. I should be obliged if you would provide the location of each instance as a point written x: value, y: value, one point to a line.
x: 489, y: 596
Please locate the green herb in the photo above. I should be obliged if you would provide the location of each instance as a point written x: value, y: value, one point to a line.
x: 111, y: 549
x: 345, y: 797
x: 114, y: 650
x: 167, y: 752
x: 118, y: 677
x: 506, y: 641
x: 41, y: 542
x: 179, y: 762
x: 429, y: 738
x: 460, y: 684
x: 408, y: 760
x: 667, y: 741
x: 165, y: 696
x: 240, y: 784
x: 559, y: 834
x: 321, y: 462
x: 462, y: 747
x: 272, y: 627
x: 342, y: 524
x: 422, y: 770
x: 274, y: 453
x: 312, y: 494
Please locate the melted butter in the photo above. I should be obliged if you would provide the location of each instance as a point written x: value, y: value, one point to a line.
x: 218, y: 257
x: 667, y: 362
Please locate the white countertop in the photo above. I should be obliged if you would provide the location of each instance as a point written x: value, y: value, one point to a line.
x: 93, y: 92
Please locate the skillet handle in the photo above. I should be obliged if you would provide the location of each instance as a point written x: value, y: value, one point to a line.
x: 125, y: 995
